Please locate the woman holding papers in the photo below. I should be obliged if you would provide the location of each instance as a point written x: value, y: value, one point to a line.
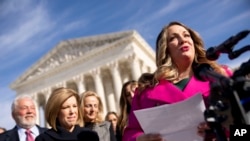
x: 179, y: 50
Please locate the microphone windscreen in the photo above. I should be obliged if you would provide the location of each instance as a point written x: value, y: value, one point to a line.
x: 212, y: 54
x: 201, y: 70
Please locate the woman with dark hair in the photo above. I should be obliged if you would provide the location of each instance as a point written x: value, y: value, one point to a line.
x: 127, y: 93
x: 112, y: 117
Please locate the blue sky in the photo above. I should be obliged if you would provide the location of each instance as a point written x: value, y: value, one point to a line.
x: 31, y: 28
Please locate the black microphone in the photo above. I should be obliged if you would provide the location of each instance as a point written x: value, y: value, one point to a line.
x: 243, y: 70
x: 213, y: 53
x: 205, y: 72
x: 238, y: 52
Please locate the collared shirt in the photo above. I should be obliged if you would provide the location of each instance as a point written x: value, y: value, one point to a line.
x: 21, y: 132
x: 182, y: 84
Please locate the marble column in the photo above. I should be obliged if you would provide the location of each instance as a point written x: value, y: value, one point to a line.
x: 111, y: 102
x: 99, y: 87
x: 37, y: 105
x: 79, y: 82
x: 135, y: 67
x: 46, y: 92
x: 144, y: 68
x: 116, y: 80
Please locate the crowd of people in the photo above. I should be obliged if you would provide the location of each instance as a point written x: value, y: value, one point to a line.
x: 70, y: 116
x: 74, y: 117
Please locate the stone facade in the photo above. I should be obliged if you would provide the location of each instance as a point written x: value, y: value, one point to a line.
x: 100, y: 63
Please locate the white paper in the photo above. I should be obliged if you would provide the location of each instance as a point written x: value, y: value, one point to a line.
x: 175, y: 122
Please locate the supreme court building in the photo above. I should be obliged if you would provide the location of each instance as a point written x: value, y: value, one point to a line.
x: 100, y: 63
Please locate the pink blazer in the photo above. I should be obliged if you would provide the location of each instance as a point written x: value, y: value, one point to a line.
x: 163, y: 93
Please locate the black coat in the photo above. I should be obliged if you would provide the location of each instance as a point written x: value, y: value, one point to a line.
x: 78, y: 134
x: 12, y: 135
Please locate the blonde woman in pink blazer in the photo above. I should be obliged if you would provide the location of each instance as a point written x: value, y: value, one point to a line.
x: 178, y: 50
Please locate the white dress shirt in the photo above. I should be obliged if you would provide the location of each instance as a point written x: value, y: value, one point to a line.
x: 21, y: 132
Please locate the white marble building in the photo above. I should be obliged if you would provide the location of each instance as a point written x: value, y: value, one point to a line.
x: 101, y: 63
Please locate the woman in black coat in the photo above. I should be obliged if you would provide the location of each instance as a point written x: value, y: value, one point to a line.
x: 64, y: 116
x: 78, y: 134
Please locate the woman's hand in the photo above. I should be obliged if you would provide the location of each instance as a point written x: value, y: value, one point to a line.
x: 201, y: 129
x: 150, y: 137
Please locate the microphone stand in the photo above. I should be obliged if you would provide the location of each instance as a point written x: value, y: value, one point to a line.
x: 236, y: 89
x: 214, y: 122
x: 242, y: 87
x: 230, y: 89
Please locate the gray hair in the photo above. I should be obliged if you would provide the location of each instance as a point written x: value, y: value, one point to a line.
x: 15, y: 102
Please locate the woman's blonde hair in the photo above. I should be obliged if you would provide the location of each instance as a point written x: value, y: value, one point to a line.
x: 166, y: 69
x: 54, y: 104
x: 99, y: 117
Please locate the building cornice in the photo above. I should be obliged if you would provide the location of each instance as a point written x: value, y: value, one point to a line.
x: 98, y: 52
x: 54, y: 58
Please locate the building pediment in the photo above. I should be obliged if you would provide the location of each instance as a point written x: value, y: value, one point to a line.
x: 69, y: 50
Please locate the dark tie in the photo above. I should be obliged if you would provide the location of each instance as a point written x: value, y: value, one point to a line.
x: 28, y: 135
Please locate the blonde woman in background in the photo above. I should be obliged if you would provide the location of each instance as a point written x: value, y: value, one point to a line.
x: 92, y: 108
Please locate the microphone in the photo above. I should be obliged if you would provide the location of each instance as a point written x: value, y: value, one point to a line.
x: 238, y: 52
x: 243, y: 70
x: 205, y: 72
x: 213, y: 53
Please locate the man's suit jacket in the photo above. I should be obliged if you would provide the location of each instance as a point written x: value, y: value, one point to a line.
x: 12, y: 135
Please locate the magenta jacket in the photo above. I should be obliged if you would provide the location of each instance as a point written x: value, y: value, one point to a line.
x: 163, y: 93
